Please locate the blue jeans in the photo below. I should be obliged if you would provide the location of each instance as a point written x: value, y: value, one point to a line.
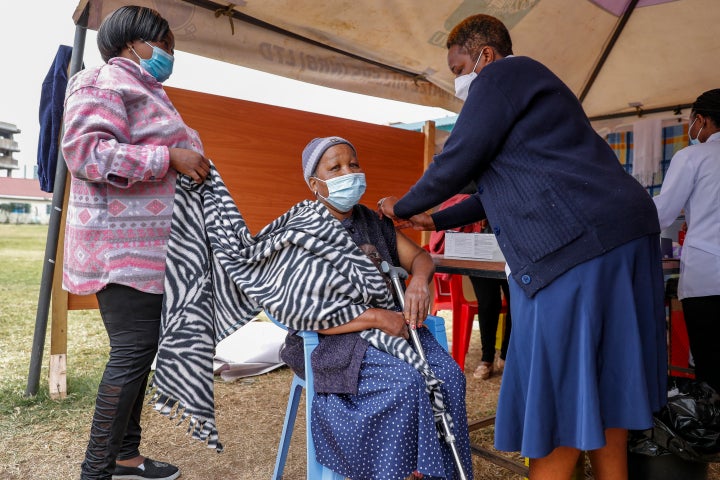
x: 132, y: 322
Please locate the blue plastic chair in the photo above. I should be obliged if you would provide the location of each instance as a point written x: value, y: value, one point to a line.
x: 316, y: 471
x: 436, y: 325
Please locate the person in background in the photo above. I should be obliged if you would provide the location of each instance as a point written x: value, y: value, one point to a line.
x: 587, y: 358
x: 377, y: 421
x: 488, y: 293
x: 692, y: 183
x: 124, y: 145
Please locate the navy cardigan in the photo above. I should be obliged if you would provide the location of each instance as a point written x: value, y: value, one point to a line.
x: 552, y: 189
x: 52, y: 98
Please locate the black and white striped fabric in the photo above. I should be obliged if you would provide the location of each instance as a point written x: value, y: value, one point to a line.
x: 303, y: 268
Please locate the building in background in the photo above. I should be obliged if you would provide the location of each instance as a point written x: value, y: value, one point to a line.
x: 8, y: 146
x: 22, y: 201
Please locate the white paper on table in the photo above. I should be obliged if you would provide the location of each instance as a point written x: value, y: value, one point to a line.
x: 479, y: 246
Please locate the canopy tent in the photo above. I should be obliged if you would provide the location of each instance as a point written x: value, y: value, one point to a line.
x: 618, y: 56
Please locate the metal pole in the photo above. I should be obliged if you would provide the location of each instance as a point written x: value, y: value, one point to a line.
x: 608, y: 48
x: 46, y: 282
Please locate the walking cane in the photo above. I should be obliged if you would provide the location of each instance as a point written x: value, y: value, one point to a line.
x: 395, y: 274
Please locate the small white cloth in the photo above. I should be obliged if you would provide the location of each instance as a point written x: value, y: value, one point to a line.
x: 647, y: 149
x: 253, y: 349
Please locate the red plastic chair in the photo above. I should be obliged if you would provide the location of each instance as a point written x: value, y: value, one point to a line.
x: 449, y: 296
x: 441, y: 299
x: 464, y: 312
x: 678, y: 343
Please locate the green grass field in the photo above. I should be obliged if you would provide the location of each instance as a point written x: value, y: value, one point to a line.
x: 22, y: 418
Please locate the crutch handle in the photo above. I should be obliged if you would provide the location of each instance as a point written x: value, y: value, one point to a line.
x: 395, y: 274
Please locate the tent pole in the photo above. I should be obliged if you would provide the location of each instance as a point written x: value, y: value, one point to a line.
x: 51, y: 244
x: 676, y: 109
x: 608, y: 48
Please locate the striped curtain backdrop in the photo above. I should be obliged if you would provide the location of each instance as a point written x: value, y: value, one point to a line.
x: 674, y: 137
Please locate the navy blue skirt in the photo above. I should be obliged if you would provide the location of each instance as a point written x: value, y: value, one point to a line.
x: 587, y: 353
x: 387, y: 430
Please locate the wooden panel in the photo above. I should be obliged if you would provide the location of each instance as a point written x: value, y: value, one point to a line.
x: 81, y: 302
x: 257, y: 149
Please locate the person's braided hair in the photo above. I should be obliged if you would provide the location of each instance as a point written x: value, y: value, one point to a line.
x: 479, y: 30
x: 708, y: 105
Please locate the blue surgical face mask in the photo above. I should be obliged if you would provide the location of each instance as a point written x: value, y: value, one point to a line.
x: 694, y: 141
x: 160, y: 65
x: 345, y: 191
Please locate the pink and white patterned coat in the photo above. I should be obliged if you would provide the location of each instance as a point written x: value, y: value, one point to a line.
x: 119, y: 125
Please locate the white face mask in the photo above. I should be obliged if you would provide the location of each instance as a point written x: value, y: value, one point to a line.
x: 462, y: 83
x: 694, y: 141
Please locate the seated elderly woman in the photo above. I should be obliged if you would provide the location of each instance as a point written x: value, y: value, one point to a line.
x: 372, y: 418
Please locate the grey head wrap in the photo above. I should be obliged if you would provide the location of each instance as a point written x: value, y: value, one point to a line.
x: 314, y: 151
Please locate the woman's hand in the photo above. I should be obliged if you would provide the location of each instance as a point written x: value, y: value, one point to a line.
x: 417, y: 303
x: 421, y: 221
x: 419, y: 264
x: 190, y: 163
x: 391, y: 322
x: 386, y: 207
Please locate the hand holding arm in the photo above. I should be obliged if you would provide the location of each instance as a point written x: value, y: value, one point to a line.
x: 386, y: 207
x: 421, y: 221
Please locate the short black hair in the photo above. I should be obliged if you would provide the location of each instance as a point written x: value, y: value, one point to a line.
x: 708, y: 105
x: 479, y: 30
x: 127, y: 24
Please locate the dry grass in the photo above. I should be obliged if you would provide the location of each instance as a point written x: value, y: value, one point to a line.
x: 250, y: 415
x: 42, y: 439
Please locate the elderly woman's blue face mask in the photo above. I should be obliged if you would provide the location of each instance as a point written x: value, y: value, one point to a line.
x: 345, y: 191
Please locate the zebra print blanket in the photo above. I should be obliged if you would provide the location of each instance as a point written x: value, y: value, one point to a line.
x: 303, y: 268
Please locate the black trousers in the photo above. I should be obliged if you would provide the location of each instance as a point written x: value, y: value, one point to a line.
x: 702, y: 318
x: 132, y: 322
x: 487, y: 292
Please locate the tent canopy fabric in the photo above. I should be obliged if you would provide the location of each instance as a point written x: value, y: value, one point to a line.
x: 618, y: 56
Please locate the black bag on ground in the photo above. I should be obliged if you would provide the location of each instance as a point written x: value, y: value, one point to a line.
x: 688, y: 426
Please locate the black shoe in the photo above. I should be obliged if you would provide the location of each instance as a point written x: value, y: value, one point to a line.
x: 153, y: 470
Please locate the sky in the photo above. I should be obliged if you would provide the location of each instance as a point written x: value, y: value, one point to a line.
x: 31, y: 33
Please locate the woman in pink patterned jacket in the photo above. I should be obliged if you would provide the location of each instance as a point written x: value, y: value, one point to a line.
x: 124, y: 144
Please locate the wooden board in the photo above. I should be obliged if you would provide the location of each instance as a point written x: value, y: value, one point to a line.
x: 258, y: 149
